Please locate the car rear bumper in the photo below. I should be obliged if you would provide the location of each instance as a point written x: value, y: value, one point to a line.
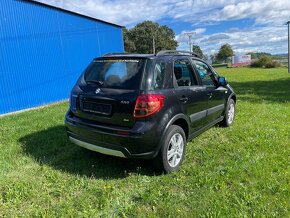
x: 139, y: 143
x: 96, y: 148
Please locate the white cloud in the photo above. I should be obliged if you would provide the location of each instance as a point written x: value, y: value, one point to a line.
x: 182, y: 37
x: 129, y: 12
x: 122, y: 12
x: 200, y: 30
x: 262, y: 39
x: 269, y: 11
x: 272, y: 14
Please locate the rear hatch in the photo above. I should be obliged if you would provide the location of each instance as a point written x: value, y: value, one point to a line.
x: 110, y: 87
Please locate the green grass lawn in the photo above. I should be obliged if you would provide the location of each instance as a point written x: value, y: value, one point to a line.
x: 242, y: 171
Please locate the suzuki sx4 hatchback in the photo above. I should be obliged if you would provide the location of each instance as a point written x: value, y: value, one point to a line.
x: 147, y: 106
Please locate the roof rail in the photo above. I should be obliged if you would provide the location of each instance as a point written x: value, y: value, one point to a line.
x: 114, y: 53
x: 177, y: 52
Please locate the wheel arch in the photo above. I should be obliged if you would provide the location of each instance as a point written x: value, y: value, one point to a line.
x: 180, y: 120
x: 234, y: 97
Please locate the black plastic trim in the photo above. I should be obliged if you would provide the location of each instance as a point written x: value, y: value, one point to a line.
x: 198, y: 116
x: 203, y: 129
x: 215, y: 109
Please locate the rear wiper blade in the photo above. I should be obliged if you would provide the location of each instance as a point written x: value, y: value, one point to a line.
x: 95, y: 82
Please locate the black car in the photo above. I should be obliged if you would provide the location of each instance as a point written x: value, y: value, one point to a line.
x: 147, y: 106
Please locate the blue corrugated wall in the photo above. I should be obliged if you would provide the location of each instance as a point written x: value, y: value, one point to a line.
x: 44, y: 50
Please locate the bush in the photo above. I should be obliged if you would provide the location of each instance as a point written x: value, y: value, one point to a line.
x: 256, y: 64
x: 265, y: 61
x: 272, y: 64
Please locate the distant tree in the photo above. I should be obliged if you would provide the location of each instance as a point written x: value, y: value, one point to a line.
x: 213, y: 58
x: 128, y: 43
x: 262, y: 54
x: 225, y: 51
x: 257, y: 55
x: 197, y: 50
x: 205, y: 57
x: 253, y: 55
x: 140, y: 38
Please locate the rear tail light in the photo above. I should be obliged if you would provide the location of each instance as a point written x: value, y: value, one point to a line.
x: 147, y: 105
x: 122, y: 132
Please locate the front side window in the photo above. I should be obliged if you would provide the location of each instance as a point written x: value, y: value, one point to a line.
x: 113, y: 73
x: 205, y: 73
x: 183, y: 73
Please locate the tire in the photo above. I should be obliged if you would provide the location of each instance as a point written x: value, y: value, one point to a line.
x: 229, y: 114
x: 172, y: 151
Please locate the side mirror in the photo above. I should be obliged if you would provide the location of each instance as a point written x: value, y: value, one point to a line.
x: 222, y: 81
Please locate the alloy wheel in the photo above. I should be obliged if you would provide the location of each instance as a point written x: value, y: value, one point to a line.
x: 175, y: 150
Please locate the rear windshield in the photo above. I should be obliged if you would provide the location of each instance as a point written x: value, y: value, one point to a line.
x: 115, y: 73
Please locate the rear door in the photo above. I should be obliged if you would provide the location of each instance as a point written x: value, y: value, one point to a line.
x: 190, y: 93
x: 216, y: 95
x: 109, y: 91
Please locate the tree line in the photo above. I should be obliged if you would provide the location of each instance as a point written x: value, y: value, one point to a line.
x: 149, y: 37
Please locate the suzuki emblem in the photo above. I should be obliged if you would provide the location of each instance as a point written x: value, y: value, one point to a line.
x: 97, y: 90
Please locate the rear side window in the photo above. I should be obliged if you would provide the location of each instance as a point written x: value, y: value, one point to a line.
x: 158, y: 74
x: 184, y: 73
x: 112, y: 73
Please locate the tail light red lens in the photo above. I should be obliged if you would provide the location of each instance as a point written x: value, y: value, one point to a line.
x: 148, y: 104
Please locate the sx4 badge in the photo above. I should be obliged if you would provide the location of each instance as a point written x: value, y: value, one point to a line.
x: 97, y: 90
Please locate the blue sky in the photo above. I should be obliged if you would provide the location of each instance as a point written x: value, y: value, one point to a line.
x: 256, y: 25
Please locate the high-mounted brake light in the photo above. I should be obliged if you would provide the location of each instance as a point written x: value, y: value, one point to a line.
x: 147, y: 105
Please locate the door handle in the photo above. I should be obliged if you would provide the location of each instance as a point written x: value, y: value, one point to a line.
x: 183, y: 99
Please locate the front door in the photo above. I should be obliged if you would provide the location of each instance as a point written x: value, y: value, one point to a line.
x: 216, y: 95
x: 190, y: 93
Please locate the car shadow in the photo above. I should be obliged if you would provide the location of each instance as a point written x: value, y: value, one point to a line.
x: 271, y: 91
x: 51, y: 147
